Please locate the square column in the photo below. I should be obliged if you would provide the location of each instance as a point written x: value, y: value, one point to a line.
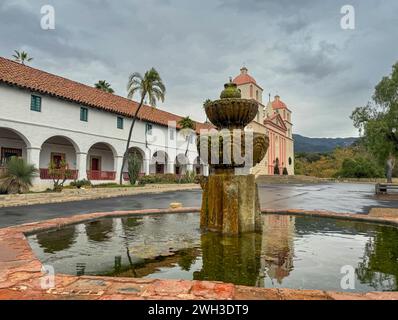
x: 118, y: 166
x: 33, y: 158
x: 189, y: 167
x: 81, y: 165
x: 146, y: 165
x: 206, y: 170
x: 170, y: 167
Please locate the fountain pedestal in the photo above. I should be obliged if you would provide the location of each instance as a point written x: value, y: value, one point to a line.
x: 230, y: 203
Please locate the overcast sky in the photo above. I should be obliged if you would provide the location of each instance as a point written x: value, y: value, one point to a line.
x: 295, y: 48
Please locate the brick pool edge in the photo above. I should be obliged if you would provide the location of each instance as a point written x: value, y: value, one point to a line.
x: 21, y: 272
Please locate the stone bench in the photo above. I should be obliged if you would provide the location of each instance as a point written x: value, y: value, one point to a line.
x: 382, y: 188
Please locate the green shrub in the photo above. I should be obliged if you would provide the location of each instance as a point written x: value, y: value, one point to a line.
x: 18, y: 177
x: 169, y: 178
x: 81, y: 183
x: 110, y: 185
x: 360, y: 168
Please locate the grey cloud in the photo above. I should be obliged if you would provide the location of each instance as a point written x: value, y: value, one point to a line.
x: 295, y: 48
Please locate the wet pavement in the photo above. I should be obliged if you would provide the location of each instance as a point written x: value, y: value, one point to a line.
x: 337, y: 197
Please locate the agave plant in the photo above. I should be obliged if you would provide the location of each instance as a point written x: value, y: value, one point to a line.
x: 18, y: 177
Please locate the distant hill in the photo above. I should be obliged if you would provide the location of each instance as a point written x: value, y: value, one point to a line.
x: 305, y: 144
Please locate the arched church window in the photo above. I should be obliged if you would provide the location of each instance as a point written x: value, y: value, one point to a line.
x: 290, y: 161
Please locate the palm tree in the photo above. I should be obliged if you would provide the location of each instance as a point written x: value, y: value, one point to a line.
x: 21, y: 57
x: 187, y: 125
x: 148, y: 86
x: 18, y: 177
x: 104, y: 86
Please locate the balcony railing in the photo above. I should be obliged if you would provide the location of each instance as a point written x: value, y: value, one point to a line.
x: 45, y: 174
x: 101, y: 175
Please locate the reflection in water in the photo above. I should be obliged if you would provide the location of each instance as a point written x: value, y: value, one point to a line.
x: 100, y: 230
x: 230, y: 259
x: 64, y: 239
x: 118, y: 264
x: 130, y: 223
x: 379, y: 267
x: 187, y: 258
x: 278, y: 247
x: 291, y: 252
x: 80, y: 269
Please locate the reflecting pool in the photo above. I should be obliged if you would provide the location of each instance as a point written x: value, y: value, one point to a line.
x: 291, y: 252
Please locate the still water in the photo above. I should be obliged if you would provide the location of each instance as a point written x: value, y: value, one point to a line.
x: 291, y: 252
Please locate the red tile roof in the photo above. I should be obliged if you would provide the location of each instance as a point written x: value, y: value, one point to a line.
x: 13, y: 73
x: 243, y: 79
x: 278, y: 104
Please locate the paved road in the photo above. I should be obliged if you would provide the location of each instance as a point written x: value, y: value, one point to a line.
x: 356, y: 198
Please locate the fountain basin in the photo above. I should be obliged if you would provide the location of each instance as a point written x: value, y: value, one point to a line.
x: 231, y: 148
x: 291, y: 252
x: 231, y: 113
x: 21, y: 271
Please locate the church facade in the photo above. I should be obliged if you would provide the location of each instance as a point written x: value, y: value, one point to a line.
x: 274, y: 118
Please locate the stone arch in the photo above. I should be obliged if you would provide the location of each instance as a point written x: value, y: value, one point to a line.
x: 55, y: 149
x: 70, y: 140
x: 180, y: 164
x: 101, y: 162
x: 19, y: 134
x: 159, y: 161
x: 12, y: 143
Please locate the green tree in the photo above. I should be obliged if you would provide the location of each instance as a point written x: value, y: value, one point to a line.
x: 359, y: 167
x: 104, y: 86
x: 21, y: 57
x: 378, y: 122
x: 18, y: 177
x: 379, y: 267
x: 150, y: 85
x: 59, y: 173
x: 134, y: 167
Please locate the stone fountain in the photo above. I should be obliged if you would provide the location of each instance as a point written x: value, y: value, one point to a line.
x: 230, y: 203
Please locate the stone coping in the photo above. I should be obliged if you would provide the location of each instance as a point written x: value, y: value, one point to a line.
x: 21, y: 275
x: 71, y: 195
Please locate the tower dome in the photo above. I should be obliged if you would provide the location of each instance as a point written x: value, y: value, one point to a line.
x: 244, y: 77
x: 278, y: 103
